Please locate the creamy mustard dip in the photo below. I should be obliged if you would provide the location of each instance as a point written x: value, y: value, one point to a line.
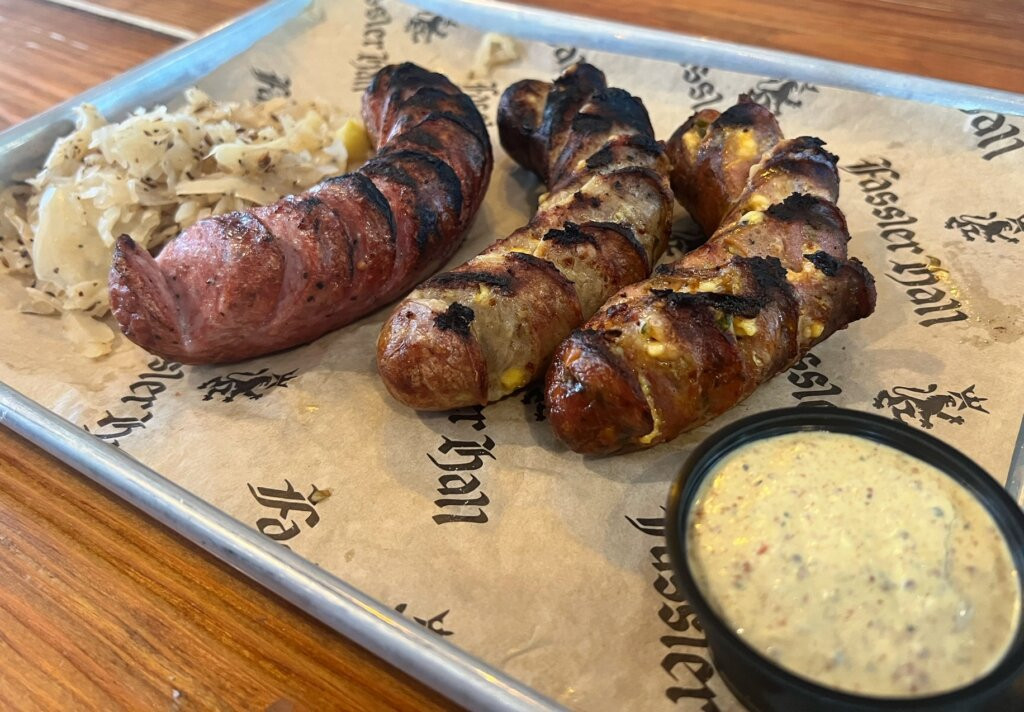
x: 854, y: 565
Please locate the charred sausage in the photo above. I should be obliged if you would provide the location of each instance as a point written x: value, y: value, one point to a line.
x: 489, y: 326
x: 253, y: 282
x: 669, y: 353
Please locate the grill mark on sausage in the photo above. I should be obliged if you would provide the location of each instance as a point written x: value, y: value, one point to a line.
x: 426, y: 216
x: 455, y: 280
x: 619, y: 107
x: 803, y: 207
x: 421, y: 137
x: 626, y: 232
x: 812, y: 145
x: 372, y: 193
x: 569, y: 234
x: 434, y: 102
x: 738, y: 304
x: 457, y: 317
x: 826, y: 263
x: 444, y: 172
x: 744, y: 113
x: 605, y: 155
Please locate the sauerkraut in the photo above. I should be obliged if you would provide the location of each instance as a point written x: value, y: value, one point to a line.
x: 151, y: 176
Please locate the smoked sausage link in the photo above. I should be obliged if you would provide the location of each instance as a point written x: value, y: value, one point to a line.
x: 671, y: 352
x: 490, y: 326
x: 252, y: 282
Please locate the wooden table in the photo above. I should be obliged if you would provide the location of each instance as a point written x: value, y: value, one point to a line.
x: 102, y: 607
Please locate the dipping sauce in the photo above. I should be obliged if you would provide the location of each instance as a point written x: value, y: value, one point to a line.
x: 854, y: 565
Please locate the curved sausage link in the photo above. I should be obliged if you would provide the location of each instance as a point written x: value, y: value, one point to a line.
x: 253, y: 282
x: 490, y: 326
x: 672, y: 352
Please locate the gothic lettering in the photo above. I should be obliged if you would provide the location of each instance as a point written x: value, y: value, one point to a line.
x: 460, y: 461
x: 701, y: 89
x: 143, y: 394
x: 289, y: 506
x: 813, y: 387
x: 565, y: 56
x: 995, y: 132
x: 372, y: 55
x: 685, y: 661
x: 875, y: 177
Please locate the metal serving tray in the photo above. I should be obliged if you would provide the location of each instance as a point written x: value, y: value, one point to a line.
x: 370, y: 623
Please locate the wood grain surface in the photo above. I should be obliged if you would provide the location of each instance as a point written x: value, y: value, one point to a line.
x: 102, y: 608
x: 970, y: 41
x: 194, y: 15
x: 49, y: 53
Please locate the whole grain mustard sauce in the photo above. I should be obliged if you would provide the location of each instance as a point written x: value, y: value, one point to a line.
x: 854, y: 565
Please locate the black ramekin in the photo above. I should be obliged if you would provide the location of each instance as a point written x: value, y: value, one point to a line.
x: 762, y: 685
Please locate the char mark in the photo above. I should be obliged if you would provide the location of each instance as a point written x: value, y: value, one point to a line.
x: 618, y: 106
x: 798, y: 206
x: 825, y: 262
x: 582, y: 74
x: 432, y: 101
x: 570, y: 234
x: 591, y: 124
x: 569, y: 92
x: 457, y: 317
x: 469, y: 119
x: 445, y: 174
x: 458, y: 280
x: 769, y: 277
x: 373, y: 196
x: 626, y: 232
x: 407, y: 75
x: 768, y: 272
x: 812, y: 143
x: 641, y: 142
x: 738, y: 304
x: 308, y: 203
x: 547, y: 266
x: 744, y: 113
x: 387, y: 167
x: 420, y: 136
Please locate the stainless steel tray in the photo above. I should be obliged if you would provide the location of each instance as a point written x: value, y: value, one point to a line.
x: 370, y: 623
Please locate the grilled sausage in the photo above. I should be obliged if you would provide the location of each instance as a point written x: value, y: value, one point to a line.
x: 253, y: 282
x: 674, y: 351
x: 489, y: 327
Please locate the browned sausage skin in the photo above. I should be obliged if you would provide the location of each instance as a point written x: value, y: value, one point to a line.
x: 489, y: 326
x: 253, y: 282
x: 712, y: 154
x: 670, y: 353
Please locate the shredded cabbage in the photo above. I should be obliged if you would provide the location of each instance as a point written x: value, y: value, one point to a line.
x: 151, y: 176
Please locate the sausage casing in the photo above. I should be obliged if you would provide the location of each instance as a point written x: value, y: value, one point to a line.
x: 671, y: 352
x: 253, y: 282
x: 489, y: 326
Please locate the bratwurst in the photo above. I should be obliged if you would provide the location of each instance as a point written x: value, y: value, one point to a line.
x: 489, y: 326
x: 669, y: 353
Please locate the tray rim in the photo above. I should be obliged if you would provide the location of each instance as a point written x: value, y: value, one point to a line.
x: 458, y: 675
x: 408, y: 646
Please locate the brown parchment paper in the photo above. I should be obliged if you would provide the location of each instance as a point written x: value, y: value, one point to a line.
x: 478, y: 524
